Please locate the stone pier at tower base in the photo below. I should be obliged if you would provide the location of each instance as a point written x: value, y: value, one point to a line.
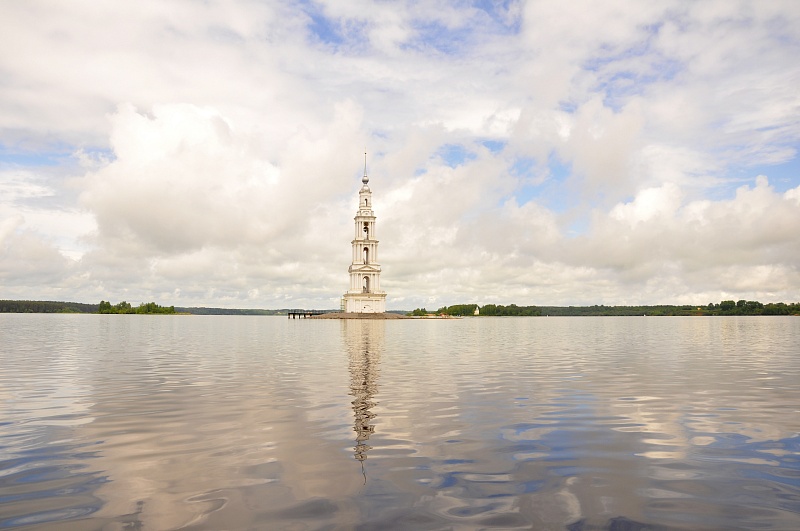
x: 345, y: 315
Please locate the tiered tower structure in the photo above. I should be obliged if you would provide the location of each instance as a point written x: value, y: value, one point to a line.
x: 365, y: 295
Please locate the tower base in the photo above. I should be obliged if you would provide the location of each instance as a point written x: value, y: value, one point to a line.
x: 365, y: 302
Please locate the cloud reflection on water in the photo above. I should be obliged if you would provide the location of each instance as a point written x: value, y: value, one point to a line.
x: 238, y: 423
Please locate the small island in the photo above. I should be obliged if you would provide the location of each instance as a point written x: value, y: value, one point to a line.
x: 143, y: 308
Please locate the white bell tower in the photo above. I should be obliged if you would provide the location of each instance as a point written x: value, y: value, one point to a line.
x: 365, y: 295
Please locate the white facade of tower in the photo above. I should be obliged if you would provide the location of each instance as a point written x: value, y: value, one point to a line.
x: 365, y: 295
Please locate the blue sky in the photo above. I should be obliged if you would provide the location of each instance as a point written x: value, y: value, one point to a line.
x: 534, y: 152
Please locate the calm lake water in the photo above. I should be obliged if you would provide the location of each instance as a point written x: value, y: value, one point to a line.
x: 164, y: 422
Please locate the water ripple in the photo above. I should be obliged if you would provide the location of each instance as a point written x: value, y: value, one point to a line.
x: 135, y: 422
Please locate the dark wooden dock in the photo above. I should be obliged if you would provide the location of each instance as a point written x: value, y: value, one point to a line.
x: 303, y: 314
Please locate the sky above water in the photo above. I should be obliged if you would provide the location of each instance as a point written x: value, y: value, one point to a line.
x: 538, y: 153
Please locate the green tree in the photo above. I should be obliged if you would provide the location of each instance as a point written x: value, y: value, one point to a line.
x: 489, y: 309
x: 753, y: 308
x: 144, y: 308
x: 775, y: 309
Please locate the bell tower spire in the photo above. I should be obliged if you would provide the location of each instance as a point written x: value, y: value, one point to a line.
x: 365, y: 295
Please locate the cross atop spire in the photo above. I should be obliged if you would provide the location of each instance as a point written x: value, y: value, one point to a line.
x: 365, y: 179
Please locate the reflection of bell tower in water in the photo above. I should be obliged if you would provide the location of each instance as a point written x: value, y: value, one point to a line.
x: 365, y: 295
x: 364, y: 340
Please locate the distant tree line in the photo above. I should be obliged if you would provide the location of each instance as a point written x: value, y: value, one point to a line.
x: 621, y: 311
x: 459, y: 310
x: 46, y: 307
x: 10, y: 306
x: 742, y: 307
x: 511, y: 310
x: 229, y: 311
x: 144, y: 308
x: 729, y: 307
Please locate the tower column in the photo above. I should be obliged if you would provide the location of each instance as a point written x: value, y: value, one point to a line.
x: 365, y: 295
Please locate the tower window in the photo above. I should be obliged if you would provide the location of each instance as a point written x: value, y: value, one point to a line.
x: 366, y: 285
x: 366, y: 231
